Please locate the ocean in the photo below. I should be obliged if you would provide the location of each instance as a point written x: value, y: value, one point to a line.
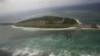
x: 75, y: 42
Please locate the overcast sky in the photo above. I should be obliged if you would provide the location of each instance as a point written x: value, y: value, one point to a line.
x: 10, y: 6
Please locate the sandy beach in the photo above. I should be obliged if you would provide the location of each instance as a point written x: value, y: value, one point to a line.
x: 32, y: 28
x: 36, y: 29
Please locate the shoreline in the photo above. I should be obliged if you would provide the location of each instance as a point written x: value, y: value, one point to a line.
x: 84, y: 27
x: 32, y: 28
x: 35, y: 29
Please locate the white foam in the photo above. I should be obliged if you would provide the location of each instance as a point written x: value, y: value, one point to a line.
x: 37, y: 52
x: 98, y: 26
x: 86, y: 55
x: 26, y: 51
x: 4, y: 48
x: 52, y: 54
x: 78, y: 21
x: 17, y: 52
x: 34, y: 29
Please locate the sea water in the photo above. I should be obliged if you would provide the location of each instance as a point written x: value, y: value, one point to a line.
x: 74, y: 42
x: 18, y: 42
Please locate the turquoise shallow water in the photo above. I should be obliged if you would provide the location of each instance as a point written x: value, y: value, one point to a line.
x: 46, y: 42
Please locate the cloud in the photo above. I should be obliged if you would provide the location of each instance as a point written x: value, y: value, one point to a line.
x: 22, y: 5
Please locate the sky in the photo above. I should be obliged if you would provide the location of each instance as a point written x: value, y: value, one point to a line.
x: 11, y: 6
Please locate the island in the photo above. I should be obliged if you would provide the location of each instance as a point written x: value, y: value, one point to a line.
x: 54, y: 22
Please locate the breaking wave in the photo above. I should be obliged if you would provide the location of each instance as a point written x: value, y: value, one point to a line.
x: 51, y: 43
x: 39, y: 52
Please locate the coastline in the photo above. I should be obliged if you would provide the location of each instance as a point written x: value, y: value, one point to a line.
x: 35, y: 29
x: 32, y: 28
x: 84, y: 27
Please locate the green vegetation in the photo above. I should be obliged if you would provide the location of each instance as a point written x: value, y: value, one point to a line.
x: 48, y: 22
